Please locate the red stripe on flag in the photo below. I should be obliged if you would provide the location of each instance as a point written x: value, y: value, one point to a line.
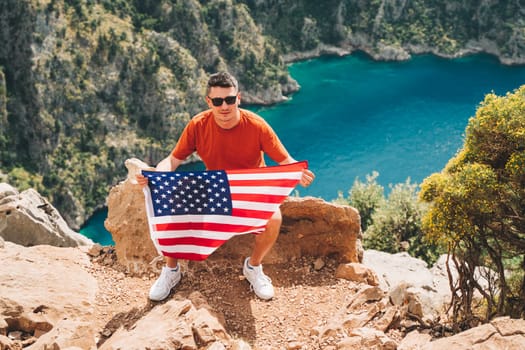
x: 186, y: 256
x: 204, y: 242
x: 250, y: 213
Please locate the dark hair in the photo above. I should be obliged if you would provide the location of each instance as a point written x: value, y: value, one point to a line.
x: 222, y: 79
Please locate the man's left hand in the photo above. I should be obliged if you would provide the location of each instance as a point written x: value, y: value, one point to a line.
x: 307, y: 178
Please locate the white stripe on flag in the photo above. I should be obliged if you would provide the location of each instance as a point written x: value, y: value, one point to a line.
x: 270, y: 190
x: 255, y: 205
x: 183, y: 248
x: 195, y: 233
x: 292, y: 175
x: 151, y: 216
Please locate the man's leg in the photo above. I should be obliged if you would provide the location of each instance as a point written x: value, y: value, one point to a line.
x: 265, y: 241
x: 252, y: 268
x: 171, y: 262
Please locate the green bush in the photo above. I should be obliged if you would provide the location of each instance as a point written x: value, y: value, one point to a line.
x: 396, y: 225
x: 391, y: 224
x: 365, y: 197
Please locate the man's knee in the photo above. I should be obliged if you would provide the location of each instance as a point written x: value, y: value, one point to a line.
x: 276, y: 219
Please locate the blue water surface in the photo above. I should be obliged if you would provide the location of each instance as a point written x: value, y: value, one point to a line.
x: 353, y: 116
x: 402, y: 119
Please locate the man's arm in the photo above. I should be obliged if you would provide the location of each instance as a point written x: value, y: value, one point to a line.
x: 288, y: 160
x: 170, y: 163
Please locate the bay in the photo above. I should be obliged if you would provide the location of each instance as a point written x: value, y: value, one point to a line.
x: 353, y: 116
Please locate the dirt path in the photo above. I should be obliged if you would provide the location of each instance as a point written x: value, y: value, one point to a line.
x: 305, y: 298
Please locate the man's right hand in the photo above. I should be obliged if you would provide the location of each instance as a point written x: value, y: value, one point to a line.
x: 135, y: 166
x: 141, y: 180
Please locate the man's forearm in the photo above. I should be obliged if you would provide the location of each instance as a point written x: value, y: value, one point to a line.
x: 170, y: 163
x: 288, y: 160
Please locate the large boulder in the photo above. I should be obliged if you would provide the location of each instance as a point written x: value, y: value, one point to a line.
x: 500, y: 333
x: 395, y: 269
x: 28, y: 219
x: 128, y: 225
x: 314, y: 227
x: 311, y: 227
x: 409, y: 281
x: 49, y: 293
x: 188, y: 328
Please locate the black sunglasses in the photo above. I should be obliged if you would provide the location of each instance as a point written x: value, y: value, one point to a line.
x: 217, y: 101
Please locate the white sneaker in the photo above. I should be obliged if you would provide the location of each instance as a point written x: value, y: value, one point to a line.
x: 260, y: 283
x: 165, y: 283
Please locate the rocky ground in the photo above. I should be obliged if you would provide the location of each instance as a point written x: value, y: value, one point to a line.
x: 62, y: 300
x: 307, y: 294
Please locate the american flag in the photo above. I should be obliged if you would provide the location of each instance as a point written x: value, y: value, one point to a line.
x: 191, y: 214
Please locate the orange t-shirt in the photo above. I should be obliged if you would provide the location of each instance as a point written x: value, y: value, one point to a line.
x: 240, y: 147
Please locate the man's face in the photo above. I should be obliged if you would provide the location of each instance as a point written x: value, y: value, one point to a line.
x: 224, y: 102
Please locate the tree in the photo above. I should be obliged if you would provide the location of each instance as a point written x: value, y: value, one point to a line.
x: 477, y: 208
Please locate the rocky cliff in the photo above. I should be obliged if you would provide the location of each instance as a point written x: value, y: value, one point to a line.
x: 394, y: 29
x: 87, y: 84
x: 90, y: 83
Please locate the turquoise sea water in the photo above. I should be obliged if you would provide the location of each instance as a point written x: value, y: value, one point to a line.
x: 95, y: 229
x: 404, y: 119
x: 354, y: 115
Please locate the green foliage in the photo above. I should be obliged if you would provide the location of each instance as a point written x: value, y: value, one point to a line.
x: 365, y: 197
x: 391, y: 224
x: 444, y: 26
x: 477, y: 203
x: 3, y: 118
x: 395, y: 221
x: 22, y: 179
x: 396, y: 225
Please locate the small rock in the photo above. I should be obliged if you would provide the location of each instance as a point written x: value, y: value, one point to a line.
x: 294, y: 345
x: 15, y: 335
x: 318, y: 264
x: 95, y: 250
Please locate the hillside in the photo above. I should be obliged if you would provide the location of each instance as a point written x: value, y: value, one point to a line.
x: 85, y: 85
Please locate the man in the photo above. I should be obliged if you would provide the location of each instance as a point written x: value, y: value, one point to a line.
x: 228, y: 137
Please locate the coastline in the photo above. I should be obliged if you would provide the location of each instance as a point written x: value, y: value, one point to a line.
x: 378, y: 53
x: 394, y: 53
